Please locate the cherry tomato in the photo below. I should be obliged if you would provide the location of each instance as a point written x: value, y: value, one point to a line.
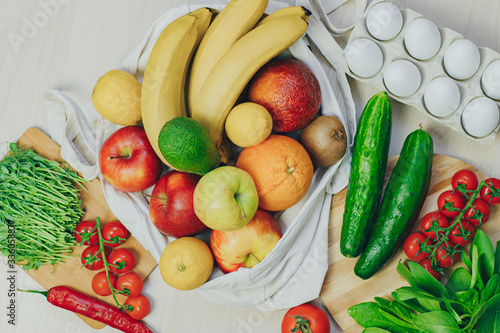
x: 86, y: 233
x: 450, y: 203
x: 444, y: 257
x: 433, y: 220
x: 100, y: 284
x: 308, y: 317
x: 491, y: 196
x: 479, y: 213
x: 91, y: 260
x: 412, y: 246
x: 462, y: 233
x: 114, y: 233
x: 130, y: 281
x: 427, y: 264
x: 121, y: 261
x: 464, y: 180
x: 137, y: 307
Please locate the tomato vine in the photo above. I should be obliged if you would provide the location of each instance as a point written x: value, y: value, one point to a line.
x: 450, y: 237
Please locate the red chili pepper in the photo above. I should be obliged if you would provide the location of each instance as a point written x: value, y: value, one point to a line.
x: 72, y: 300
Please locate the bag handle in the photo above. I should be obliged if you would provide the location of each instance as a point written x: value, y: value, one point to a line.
x: 70, y: 128
x: 319, y: 10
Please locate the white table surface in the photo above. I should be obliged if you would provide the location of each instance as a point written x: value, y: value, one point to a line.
x: 68, y: 45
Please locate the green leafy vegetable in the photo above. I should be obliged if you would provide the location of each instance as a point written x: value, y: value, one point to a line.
x: 436, y: 321
x: 469, y: 302
x: 459, y: 280
x: 486, y: 254
x: 39, y: 208
x: 490, y: 320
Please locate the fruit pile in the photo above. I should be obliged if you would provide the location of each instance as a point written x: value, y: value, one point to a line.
x: 215, y: 85
x: 438, y: 244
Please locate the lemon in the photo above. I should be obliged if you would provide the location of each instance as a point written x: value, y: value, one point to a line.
x: 248, y: 124
x: 117, y: 97
x: 186, y: 263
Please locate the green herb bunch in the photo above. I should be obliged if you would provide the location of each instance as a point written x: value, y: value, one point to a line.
x: 469, y: 302
x: 39, y: 208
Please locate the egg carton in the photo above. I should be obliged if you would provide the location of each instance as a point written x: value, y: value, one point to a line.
x: 394, y: 49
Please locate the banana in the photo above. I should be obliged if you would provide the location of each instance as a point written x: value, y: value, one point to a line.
x: 235, y: 69
x: 163, y: 86
x: 234, y: 21
x: 204, y: 14
x: 300, y: 11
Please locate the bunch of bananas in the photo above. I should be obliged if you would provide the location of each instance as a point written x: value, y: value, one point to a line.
x: 213, y: 58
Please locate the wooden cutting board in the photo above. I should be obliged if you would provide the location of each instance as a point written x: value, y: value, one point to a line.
x: 342, y: 288
x: 70, y: 273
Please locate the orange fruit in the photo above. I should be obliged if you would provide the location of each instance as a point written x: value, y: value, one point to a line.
x: 281, y: 169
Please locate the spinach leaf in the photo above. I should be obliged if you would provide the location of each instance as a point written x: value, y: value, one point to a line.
x: 486, y: 254
x: 424, y: 299
x: 414, y: 305
x: 481, y: 310
x: 401, y: 310
x: 429, y: 304
x: 489, y: 322
x: 396, y: 308
x: 406, y: 293
x: 459, y: 280
x: 394, y: 319
x: 426, y: 281
x: 469, y: 298
x: 393, y: 329
x: 383, y: 302
x: 466, y: 259
x: 370, y: 314
x: 490, y: 289
x: 406, y: 274
x: 476, y: 275
x: 496, y: 269
x: 436, y: 322
x: 375, y: 330
x: 367, y: 314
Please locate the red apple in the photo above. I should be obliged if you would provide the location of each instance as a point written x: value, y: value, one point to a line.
x: 247, y: 246
x: 289, y: 91
x: 171, y: 205
x: 127, y: 160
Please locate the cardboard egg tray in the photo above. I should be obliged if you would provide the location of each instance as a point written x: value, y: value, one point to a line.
x: 394, y: 49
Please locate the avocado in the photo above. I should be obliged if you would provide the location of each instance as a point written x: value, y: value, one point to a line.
x: 187, y: 146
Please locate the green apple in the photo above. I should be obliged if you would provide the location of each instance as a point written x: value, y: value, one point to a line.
x: 225, y: 199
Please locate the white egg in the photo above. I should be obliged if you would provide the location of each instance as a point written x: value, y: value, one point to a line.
x: 461, y: 59
x: 442, y: 97
x: 402, y: 78
x: 364, y: 57
x: 384, y: 21
x: 422, y: 39
x: 490, y: 80
x: 480, y: 117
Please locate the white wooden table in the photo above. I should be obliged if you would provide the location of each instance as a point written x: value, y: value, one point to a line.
x: 68, y: 45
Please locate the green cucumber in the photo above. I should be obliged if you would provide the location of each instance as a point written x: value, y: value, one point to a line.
x: 369, y: 160
x: 402, y: 202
